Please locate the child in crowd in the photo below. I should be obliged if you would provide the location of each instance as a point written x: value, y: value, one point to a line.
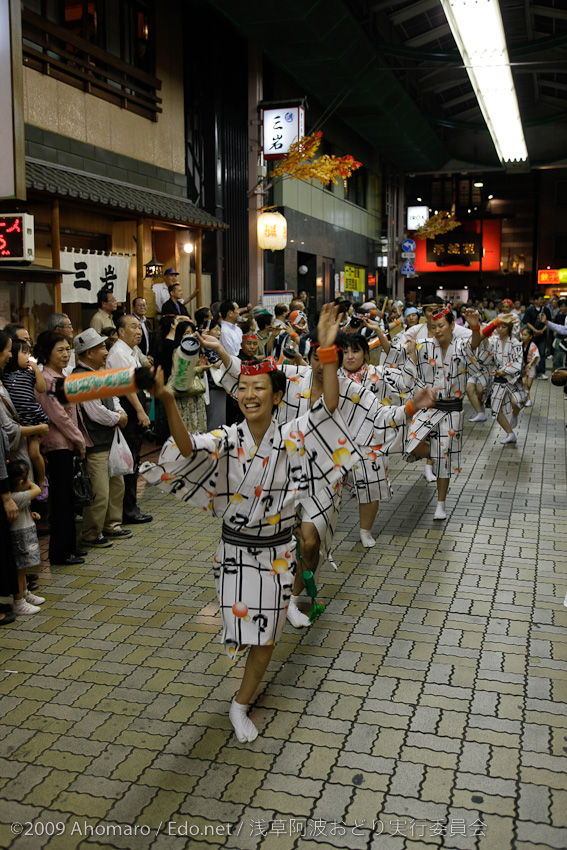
x: 531, y: 359
x: 25, y: 544
x: 21, y: 377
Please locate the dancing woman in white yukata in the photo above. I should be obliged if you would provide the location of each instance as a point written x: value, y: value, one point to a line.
x: 253, y: 475
x: 443, y: 363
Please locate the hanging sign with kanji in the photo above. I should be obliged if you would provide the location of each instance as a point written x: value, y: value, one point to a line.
x: 91, y: 272
x: 281, y: 128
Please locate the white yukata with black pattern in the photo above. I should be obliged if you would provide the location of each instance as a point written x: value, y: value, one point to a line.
x: 507, y: 356
x: 391, y: 386
x: 371, y: 427
x: 444, y: 430
x: 256, y: 490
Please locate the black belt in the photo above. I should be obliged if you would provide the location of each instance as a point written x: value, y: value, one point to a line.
x: 236, y: 538
x: 500, y: 379
x: 449, y: 405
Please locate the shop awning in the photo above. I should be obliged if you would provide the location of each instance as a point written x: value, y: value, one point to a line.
x: 77, y: 185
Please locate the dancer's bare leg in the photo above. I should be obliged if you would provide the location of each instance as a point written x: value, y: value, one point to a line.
x: 367, y: 513
x: 309, y: 546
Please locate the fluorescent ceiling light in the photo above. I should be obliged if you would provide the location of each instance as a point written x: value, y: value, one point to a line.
x: 478, y: 30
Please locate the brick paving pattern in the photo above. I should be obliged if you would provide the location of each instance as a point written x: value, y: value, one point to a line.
x: 425, y: 708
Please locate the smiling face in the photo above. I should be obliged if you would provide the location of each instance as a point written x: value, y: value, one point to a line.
x: 353, y: 358
x: 59, y: 356
x: 131, y: 333
x: 256, y: 397
x: 6, y: 354
x: 95, y: 357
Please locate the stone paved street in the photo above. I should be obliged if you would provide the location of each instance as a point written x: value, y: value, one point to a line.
x: 427, y: 707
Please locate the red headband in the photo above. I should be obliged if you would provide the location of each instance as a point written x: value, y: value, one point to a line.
x: 267, y: 365
x: 444, y: 312
x: 249, y: 336
x: 509, y: 302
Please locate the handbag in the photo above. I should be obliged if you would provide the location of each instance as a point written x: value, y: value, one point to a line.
x: 120, y: 460
x: 83, y: 492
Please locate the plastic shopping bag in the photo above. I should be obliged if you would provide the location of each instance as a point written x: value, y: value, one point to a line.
x: 120, y: 460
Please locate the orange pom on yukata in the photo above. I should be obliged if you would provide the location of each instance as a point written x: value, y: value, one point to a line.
x: 258, y: 491
x: 241, y: 455
x: 239, y: 609
x: 386, y: 402
x: 167, y: 476
x: 280, y: 566
x: 452, y: 432
x: 341, y: 457
x: 355, y: 398
x: 273, y: 520
x: 236, y: 499
x: 290, y: 447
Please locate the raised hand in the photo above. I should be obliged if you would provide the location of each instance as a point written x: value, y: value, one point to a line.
x: 328, y: 326
x: 510, y: 319
x: 472, y: 317
x: 209, y: 341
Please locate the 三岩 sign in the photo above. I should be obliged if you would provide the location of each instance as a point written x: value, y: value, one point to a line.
x: 91, y: 272
x: 282, y: 127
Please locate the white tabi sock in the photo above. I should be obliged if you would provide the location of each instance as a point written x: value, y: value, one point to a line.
x: 297, y: 619
x: 366, y: 538
x: 244, y: 729
x: 428, y: 473
x: 509, y: 438
x: 440, y: 511
x: 480, y: 417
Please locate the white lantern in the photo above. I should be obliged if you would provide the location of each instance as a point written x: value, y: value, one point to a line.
x: 272, y: 231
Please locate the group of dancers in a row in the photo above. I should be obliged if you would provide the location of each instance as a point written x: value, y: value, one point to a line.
x: 277, y: 478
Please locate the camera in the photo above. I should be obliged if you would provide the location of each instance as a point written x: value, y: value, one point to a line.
x: 289, y: 352
x: 356, y: 320
x: 148, y: 434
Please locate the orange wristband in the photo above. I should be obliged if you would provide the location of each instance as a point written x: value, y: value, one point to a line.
x: 294, y: 336
x: 410, y: 409
x: 328, y: 355
x: 473, y: 329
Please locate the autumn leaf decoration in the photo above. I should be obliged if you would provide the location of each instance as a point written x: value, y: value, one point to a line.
x: 436, y: 225
x: 301, y: 164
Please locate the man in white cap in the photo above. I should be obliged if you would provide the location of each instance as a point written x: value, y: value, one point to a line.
x: 101, y: 520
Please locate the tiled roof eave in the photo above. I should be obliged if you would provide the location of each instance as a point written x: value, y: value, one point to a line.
x: 68, y: 182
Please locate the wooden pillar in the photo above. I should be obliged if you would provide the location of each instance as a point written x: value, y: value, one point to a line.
x: 140, y: 259
x: 198, y: 250
x: 56, y: 254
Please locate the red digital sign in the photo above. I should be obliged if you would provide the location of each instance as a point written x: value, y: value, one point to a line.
x: 16, y: 237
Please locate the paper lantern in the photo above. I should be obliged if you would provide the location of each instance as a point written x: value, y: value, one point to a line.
x: 562, y: 275
x: 272, y: 231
